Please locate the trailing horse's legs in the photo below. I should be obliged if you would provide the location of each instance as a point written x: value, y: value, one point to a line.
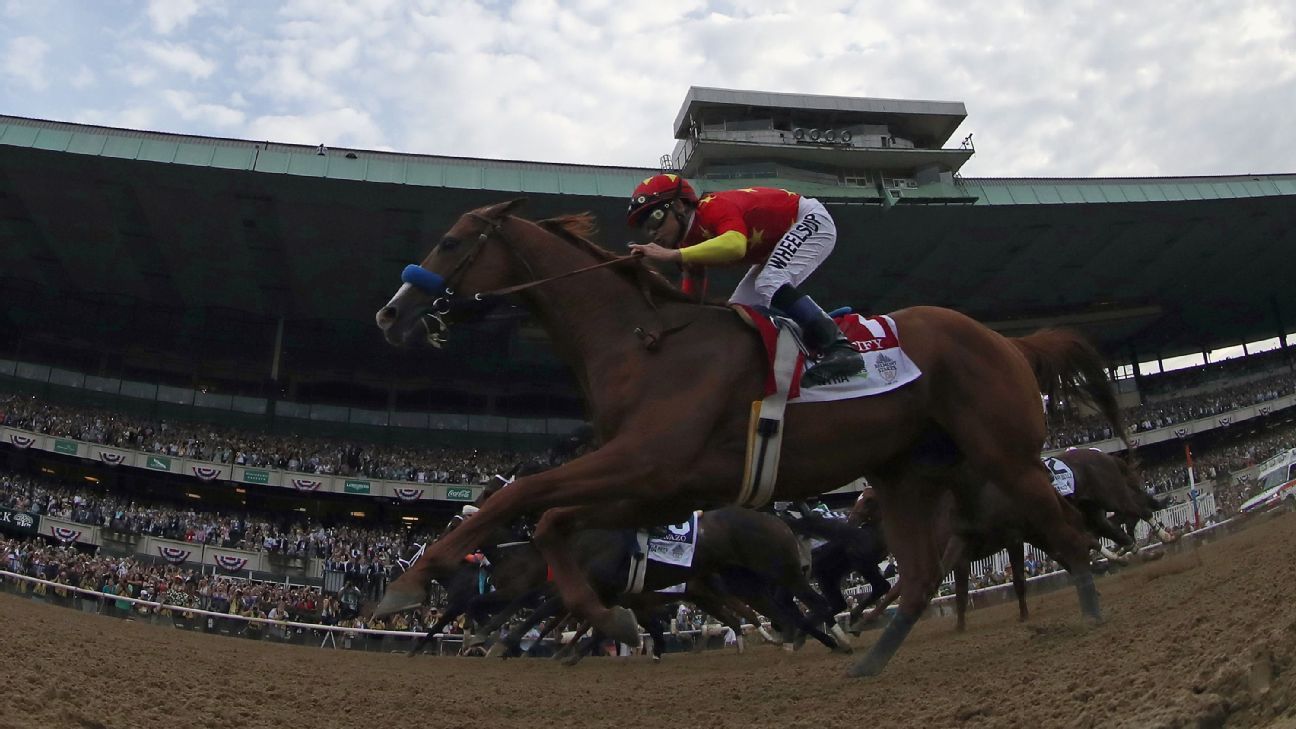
x: 961, y: 573
x: 552, y: 536
x: 586, y: 480
x: 906, y: 505
x: 1017, y: 559
x: 879, y: 608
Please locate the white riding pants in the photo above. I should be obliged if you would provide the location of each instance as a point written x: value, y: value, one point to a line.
x: 806, y: 245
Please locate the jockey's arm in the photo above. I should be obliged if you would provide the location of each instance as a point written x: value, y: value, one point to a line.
x: 728, y: 247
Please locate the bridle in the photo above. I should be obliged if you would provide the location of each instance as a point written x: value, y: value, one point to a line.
x: 443, y: 289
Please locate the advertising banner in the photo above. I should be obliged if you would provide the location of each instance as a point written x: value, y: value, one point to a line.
x: 67, y: 447
x: 253, y: 475
x: 18, y: 521
x: 156, y: 462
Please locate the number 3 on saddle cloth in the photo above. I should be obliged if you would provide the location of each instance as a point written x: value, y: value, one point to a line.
x: 886, y: 367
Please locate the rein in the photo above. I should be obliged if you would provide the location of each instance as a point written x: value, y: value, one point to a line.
x: 429, y: 283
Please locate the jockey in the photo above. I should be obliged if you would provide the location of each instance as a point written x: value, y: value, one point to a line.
x: 782, y: 236
x: 467, y: 511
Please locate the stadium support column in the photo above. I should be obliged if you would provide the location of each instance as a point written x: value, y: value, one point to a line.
x: 1282, y: 331
x: 1138, y: 376
x: 272, y: 400
x: 278, y: 351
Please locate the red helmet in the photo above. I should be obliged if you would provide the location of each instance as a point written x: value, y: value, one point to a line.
x: 654, y: 191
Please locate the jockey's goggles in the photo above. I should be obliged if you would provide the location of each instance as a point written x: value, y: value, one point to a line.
x: 654, y: 220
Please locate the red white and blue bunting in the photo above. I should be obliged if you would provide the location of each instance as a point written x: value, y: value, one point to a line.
x: 64, y: 534
x: 306, y: 484
x: 206, y: 473
x: 230, y: 562
x: 408, y: 494
x: 22, y: 441
x: 174, y: 555
x: 112, y: 459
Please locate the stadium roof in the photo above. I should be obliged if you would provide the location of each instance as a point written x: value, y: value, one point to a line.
x: 114, y: 235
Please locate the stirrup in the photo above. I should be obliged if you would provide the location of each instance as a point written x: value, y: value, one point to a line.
x: 830, y: 369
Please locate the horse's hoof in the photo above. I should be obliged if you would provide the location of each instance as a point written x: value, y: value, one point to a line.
x: 620, y: 625
x: 843, y: 648
x: 656, y: 659
x: 398, y: 599
x: 499, y: 650
x: 572, y: 660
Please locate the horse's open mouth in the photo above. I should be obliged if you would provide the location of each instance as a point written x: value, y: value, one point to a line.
x: 426, y: 329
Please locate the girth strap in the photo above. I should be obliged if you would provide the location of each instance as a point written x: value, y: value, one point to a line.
x: 765, y: 432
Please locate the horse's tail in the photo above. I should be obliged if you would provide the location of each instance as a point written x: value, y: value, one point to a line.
x: 1067, y: 365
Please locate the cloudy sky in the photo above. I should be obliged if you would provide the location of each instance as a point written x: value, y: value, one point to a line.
x: 1072, y: 88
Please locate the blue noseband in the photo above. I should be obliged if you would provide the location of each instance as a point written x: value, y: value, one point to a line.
x: 424, y: 280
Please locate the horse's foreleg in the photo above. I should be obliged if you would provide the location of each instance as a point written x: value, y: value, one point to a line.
x: 611, y: 473
x: 905, y: 508
x: 962, y: 571
x: 879, y: 607
x: 1017, y: 558
x: 719, y: 606
x: 829, y: 578
x: 432, y: 630
x: 552, y: 537
x: 512, y: 642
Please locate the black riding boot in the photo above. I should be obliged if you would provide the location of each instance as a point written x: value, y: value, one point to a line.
x: 835, y: 358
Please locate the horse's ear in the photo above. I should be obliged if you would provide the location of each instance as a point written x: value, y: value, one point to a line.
x: 508, y: 207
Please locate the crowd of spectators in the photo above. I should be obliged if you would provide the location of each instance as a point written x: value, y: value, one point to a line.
x: 367, y: 555
x: 241, y: 447
x: 221, y: 444
x: 1066, y: 429
x: 180, y: 589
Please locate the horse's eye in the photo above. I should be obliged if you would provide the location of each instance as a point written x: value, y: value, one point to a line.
x: 448, y: 243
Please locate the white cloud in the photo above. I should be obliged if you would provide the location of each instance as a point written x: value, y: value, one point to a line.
x: 191, y: 109
x: 82, y: 78
x: 24, y: 61
x: 179, y: 58
x: 168, y: 15
x: 1051, y: 88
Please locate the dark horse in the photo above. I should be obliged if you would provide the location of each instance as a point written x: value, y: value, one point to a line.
x: 751, y: 556
x: 991, y: 522
x: 849, y: 545
x: 670, y: 385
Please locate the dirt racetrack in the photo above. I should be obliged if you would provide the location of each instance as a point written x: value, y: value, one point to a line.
x: 1201, y: 638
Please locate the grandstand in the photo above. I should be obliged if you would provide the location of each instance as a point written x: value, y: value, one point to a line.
x: 189, y: 320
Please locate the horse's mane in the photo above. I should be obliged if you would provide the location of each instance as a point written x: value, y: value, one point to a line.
x: 576, y: 228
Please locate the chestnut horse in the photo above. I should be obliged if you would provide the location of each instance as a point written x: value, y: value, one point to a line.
x: 669, y: 384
